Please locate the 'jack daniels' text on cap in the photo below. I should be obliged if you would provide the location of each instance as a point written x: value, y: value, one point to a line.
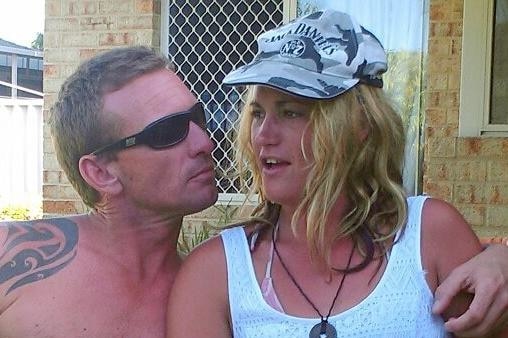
x: 320, y: 56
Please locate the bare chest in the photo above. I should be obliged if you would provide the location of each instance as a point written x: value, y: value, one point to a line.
x: 85, y: 312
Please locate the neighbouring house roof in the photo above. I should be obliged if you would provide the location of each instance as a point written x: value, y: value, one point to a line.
x: 6, y: 43
x: 12, y: 48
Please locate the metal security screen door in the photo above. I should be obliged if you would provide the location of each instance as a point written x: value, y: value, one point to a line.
x: 206, y: 40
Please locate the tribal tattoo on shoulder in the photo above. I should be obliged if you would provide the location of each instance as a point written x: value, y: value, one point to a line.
x: 35, y: 250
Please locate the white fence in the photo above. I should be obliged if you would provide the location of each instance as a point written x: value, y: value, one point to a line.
x: 21, y: 151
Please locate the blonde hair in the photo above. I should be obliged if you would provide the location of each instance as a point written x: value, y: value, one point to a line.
x: 367, y: 170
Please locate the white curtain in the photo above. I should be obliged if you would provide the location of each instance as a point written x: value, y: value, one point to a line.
x: 401, y: 26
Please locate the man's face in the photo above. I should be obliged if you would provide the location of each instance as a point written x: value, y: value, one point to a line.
x: 176, y: 180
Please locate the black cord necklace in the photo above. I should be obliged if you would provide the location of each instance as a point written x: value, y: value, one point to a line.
x: 322, y: 328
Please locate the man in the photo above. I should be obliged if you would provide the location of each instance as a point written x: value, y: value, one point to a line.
x: 108, y: 273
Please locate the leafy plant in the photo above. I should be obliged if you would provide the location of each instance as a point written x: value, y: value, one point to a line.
x: 17, y: 212
x: 38, y: 42
x: 187, y: 241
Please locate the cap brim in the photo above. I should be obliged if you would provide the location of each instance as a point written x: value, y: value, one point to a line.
x: 290, y: 78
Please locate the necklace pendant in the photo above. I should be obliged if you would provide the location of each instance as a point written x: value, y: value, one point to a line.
x: 323, y: 330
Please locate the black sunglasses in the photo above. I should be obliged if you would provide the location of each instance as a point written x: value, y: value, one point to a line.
x: 162, y: 133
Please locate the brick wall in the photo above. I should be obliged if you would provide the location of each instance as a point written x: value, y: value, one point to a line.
x: 471, y: 173
x: 75, y: 30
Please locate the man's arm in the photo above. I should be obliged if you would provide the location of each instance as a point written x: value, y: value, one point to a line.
x: 485, y: 276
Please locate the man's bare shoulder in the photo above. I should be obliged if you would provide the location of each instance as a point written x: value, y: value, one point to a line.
x: 34, y: 250
x: 57, y: 281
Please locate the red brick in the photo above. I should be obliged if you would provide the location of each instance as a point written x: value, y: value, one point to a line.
x: 116, y: 39
x: 50, y: 70
x: 456, y: 46
x: 437, y: 12
x: 439, y: 171
x: 441, y: 147
x: 145, y: 6
x: 469, y: 193
x: 474, y: 214
x: 439, y: 189
x: 473, y: 145
x: 87, y: 53
x: 435, y: 117
x: 53, y: 8
x: 59, y: 207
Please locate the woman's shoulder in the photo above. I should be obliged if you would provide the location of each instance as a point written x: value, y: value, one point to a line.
x: 200, y: 287
x: 203, y: 269
x: 444, y: 225
x: 211, y: 249
x: 440, y: 215
x: 447, y: 241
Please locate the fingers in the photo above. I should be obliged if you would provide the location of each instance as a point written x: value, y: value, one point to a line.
x: 485, y: 276
x: 451, y: 286
x: 488, y: 303
x: 475, y: 321
x: 488, y: 325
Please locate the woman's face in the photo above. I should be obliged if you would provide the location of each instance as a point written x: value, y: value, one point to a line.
x: 279, y: 129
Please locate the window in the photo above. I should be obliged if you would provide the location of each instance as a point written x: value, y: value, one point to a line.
x: 499, y: 83
x: 484, y: 75
x: 34, y: 64
x: 5, y: 60
x: 206, y: 40
x: 22, y: 62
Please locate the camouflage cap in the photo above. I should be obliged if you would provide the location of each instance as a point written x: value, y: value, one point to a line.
x: 320, y: 56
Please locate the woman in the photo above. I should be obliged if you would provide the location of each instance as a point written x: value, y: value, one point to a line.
x: 335, y: 248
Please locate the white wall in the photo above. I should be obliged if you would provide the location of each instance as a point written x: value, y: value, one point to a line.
x: 20, y: 151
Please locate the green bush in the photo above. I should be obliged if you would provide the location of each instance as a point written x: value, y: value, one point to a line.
x: 187, y: 241
x: 15, y: 212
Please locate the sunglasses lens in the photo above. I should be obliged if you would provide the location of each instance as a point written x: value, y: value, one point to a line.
x: 168, y: 132
x: 198, y: 116
x: 172, y: 129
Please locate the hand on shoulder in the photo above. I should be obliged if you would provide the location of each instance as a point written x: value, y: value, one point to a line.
x: 447, y: 242
x: 486, y: 277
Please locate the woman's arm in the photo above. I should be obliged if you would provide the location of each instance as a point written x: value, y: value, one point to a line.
x: 198, y: 303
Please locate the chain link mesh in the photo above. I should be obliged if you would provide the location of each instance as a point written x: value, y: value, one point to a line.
x: 207, y: 39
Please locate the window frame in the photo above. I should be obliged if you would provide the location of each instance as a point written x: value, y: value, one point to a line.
x: 476, y: 65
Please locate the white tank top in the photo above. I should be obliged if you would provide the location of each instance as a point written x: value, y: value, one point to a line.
x: 399, y: 306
